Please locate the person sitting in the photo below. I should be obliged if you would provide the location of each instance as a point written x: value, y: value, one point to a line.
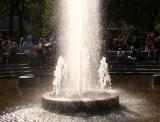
x: 120, y: 56
x: 132, y: 57
x: 13, y: 50
x: 1, y: 51
x: 7, y: 53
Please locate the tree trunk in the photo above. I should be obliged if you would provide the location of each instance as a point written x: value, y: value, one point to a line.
x: 20, y: 9
x: 11, y: 19
x: 151, y: 23
x: 152, y: 18
x: 42, y: 10
x: 21, y: 23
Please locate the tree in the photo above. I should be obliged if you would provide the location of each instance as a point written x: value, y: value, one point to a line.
x: 20, y: 9
x: 140, y: 13
x: 11, y: 17
x: 38, y: 14
x: 7, y: 10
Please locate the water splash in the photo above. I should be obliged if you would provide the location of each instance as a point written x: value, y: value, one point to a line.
x: 104, y: 77
x: 60, y: 75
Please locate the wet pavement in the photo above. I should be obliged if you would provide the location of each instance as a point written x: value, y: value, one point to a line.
x: 139, y: 102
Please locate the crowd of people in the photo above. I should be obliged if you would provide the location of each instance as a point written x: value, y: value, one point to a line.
x: 133, y: 45
x: 37, y: 52
x: 8, y: 48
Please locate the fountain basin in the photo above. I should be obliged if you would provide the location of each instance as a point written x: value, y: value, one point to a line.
x: 87, y: 102
x: 27, y: 81
x: 156, y: 79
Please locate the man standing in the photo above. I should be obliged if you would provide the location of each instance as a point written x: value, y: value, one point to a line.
x: 27, y: 48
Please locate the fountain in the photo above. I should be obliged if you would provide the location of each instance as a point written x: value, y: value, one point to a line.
x: 81, y: 81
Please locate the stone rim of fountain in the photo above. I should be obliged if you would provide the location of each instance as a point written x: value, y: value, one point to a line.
x: 81, y: 104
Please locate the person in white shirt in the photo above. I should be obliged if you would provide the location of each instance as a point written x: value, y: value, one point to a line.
x: 27, y: 48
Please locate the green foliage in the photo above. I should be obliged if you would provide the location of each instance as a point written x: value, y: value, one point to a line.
x: 38, y: 14
x: 157, y: 28
x: 141, y: 13
x: 4, y: 8
x: 126, y: 28
x: 49, y: 18
x: 41, y: 18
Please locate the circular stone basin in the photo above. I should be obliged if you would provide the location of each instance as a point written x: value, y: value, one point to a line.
x: 156, y: 79
x: 27, y: 81
x: 86, y: 102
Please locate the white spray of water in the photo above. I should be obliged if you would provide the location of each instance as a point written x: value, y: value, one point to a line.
x: 79, y: 31
x: 104, y: 77
x: 60, y: 75
x: 79, y: 34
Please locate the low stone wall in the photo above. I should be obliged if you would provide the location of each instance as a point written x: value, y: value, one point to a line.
x: 112, y: 55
